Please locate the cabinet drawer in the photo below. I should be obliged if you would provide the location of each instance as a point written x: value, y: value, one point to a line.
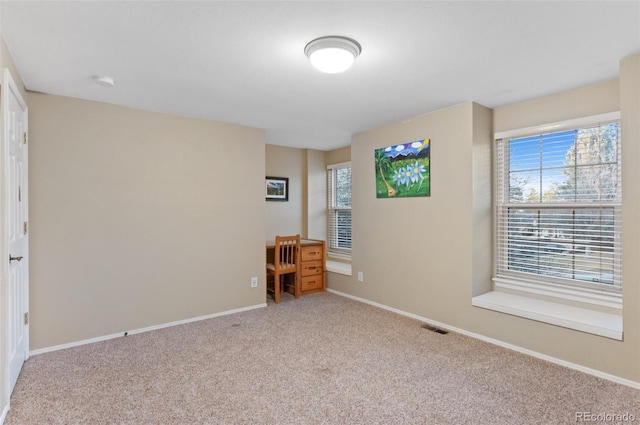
x: 311, y: 267
x: 311, y: 282
x: 310, y: 253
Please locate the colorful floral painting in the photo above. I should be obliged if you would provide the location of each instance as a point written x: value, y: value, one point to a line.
x: 403, y: 170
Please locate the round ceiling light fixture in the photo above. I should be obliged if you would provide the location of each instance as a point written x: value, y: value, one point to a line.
x: 332, y: 54
x: 104, y: 80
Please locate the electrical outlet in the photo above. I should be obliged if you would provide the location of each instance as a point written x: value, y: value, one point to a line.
x: 254, y: 282
x: 360, y: 277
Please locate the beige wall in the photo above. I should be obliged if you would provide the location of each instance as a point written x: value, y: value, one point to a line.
x: 482, y: 201
x: 578, y: 103
x: 427, y: 256
x: 337, y: 156
x: 139, y: 218
x: 416, y: 253
x: 286, y: 218
x: 315, y: 216
x: 306, y: 211
x: 630, y: 117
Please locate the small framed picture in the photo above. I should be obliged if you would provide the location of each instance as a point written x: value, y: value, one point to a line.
x: 277, y: 188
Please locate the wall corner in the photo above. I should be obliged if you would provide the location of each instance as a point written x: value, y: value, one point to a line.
x: 482, y: 217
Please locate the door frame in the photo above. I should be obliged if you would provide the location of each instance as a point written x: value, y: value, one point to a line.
x: 8, y: 85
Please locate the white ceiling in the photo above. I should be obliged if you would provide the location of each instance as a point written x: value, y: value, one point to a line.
x: 243, y: 62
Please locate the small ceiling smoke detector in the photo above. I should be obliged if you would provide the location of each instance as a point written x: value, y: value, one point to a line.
x: 104, y: 80
x: 332, y: 54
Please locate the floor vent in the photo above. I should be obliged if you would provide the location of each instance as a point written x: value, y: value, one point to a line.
x: 434, y: 329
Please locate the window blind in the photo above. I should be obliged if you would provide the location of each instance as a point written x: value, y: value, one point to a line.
x: 339, y: 207
x: 559, y: 207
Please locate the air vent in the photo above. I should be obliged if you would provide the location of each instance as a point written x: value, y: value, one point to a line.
x: 434, y: 329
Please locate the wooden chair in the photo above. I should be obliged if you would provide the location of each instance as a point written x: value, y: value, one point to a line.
x: 286, y: 261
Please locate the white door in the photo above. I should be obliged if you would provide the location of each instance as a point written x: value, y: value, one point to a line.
x: 16, y: 222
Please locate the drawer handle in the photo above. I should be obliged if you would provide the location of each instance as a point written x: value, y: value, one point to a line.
x: 311, y: 268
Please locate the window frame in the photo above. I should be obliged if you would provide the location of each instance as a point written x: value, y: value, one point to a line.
x: 332, y: 249
x: 573, y: 290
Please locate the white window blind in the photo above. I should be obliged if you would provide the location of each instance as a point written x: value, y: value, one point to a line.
x: 559, y: 207
x: 339, y: 207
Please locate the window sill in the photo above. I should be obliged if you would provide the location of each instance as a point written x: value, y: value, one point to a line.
x: 581, y: 319
x: 338, y: 267
x: 582, y: 295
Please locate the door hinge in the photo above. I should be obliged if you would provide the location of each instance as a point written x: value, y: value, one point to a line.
x: 26, y: 227
x: 26, y: 137
x: 26, y: 318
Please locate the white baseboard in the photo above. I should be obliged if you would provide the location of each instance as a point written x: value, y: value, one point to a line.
x: 147, y: 329
x: 541, y: 356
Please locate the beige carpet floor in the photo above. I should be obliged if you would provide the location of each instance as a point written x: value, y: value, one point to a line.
x: 321, y: 359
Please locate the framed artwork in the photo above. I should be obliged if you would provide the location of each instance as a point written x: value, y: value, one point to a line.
x: 403, y: 170
x: 277, y: 188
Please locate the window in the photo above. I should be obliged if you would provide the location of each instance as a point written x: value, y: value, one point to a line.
x: 559, y: 209
x: 339, y: 206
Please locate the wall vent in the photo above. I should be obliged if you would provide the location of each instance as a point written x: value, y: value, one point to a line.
x: 434, y: 329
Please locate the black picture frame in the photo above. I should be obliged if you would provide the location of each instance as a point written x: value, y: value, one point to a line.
x: 276, y: 188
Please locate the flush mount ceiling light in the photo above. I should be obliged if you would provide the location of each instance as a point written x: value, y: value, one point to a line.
x: 332, y: 54
x: 104, y: 80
